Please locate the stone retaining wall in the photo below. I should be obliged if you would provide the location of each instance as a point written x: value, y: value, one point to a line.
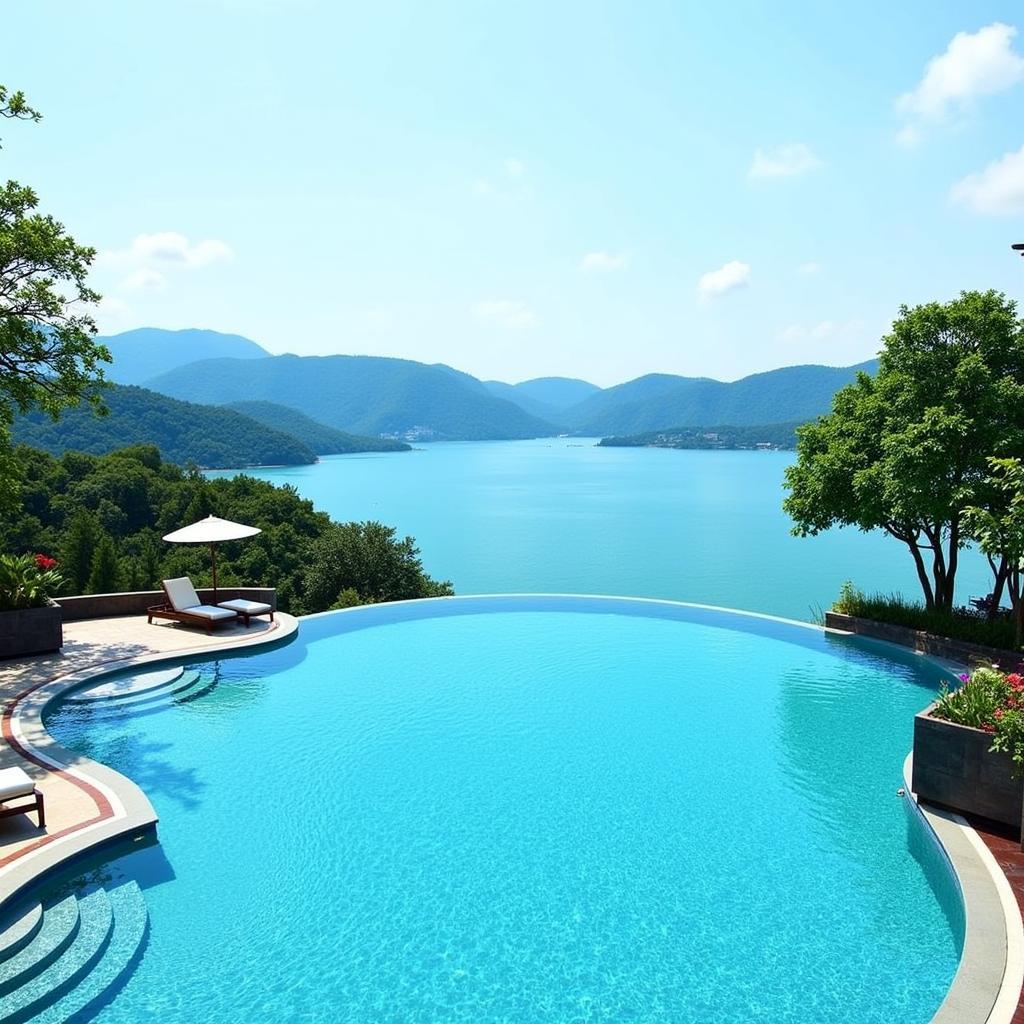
x: 100, y: 606
x: 922, y: 642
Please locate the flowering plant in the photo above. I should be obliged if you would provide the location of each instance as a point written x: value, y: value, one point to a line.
x: 992, y: 701
x: 28, y: 581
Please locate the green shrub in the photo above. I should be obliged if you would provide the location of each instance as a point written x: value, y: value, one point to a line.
x: 28, y: 581
x: 959, y: 624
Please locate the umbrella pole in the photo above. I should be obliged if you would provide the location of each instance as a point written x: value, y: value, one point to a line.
x: 213, y: 555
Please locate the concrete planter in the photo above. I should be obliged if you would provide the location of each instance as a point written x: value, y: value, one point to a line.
x: 31, y: 631
x: 954, y: 768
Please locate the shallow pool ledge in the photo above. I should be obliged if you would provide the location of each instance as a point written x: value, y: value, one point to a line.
x: 111, y: 807
x: 987, y: 986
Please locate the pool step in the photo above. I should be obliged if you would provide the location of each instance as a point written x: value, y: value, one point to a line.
x: 193, y: 686
x: 125, y: 687
x: 86, y: 946
x: 19, y: 929
x: 123, y: 952
x: 152, y: 695
x: 57, y: 931
x: 70, y: 968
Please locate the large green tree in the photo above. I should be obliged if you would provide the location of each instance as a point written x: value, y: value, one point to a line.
x: 49, y: 359
x: 907, y: 451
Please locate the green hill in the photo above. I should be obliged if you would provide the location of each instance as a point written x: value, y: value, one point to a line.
x: 793, y: 393
x: 773, y: 435
x: 322, y: 439
x: 211, y: 437
x: 148, y: 351
x: 546, y: 397
x: 362, y: 395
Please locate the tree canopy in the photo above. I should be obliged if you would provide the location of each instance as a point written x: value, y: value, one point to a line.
x: 907, y: 451
x: 48, y: 357
x: 103, y: 517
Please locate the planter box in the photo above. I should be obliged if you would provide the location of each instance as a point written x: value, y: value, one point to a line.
x: 31, y: 631
x: 954, y: 768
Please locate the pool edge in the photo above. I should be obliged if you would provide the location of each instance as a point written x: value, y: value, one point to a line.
x: 987, y: 984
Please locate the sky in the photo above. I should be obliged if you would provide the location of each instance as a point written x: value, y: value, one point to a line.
x: 585, y: 189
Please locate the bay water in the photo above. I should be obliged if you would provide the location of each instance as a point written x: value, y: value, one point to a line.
x: 562, y: 515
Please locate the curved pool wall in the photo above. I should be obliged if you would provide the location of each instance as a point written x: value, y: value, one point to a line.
x: 316, y: 629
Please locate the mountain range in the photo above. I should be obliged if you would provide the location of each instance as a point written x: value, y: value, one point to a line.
x: 376, y: 396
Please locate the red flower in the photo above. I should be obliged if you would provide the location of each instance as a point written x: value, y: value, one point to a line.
x: 988, y: 728
x: 998, y: 713
x: 45, y: 563
x: 1016, y: 681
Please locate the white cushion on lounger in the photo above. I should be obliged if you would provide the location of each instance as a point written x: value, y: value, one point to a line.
x: 182, y: 594
x: 240, y: 604
x: 15, y: 782
x: 209, y: 611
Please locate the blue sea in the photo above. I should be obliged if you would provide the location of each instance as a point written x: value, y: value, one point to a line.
x: 561, y: 515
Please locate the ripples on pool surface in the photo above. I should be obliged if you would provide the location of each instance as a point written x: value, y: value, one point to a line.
x: 535, y: 815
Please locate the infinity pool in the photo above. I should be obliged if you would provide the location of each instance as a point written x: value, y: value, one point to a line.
x: 533, y: 810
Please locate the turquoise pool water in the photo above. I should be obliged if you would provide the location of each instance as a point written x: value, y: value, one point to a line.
x: 520, y: 810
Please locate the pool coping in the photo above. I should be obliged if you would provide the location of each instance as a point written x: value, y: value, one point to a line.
x: 985, y: 989
x: 124, y: 812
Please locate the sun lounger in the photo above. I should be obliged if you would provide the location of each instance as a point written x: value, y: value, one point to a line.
x: 183, y: 605
x: 15, y: 784
x: 247, y: 609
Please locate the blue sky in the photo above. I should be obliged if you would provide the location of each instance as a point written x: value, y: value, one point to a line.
x: 591, y: 189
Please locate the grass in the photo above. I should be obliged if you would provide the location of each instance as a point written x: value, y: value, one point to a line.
x: 960, y: 624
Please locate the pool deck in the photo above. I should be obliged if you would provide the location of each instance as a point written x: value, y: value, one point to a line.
x: 88, y: 804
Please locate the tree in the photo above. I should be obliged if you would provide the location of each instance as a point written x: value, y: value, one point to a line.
x: 999, y: 531
x: 365, y: 559
x: 906, y: 451
x: 83, y: 533
x: 49, y: 359
x: 105, y: 574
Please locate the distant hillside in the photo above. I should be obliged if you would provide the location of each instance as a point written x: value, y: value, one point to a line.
x: 322, y: 439
x: 149, y: 351
x: 546, y: 397
x: 768, y: 435
x: 361, y: 394
x: 214, y: 438
x: 793, y: 393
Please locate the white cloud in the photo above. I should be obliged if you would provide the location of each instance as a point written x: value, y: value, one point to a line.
x: 809, y: 269
x: 143, y: 279
x: 726, y: 278
x: 509, y: 183
x: 822, y: 331
x: 168, y: 247
x: 112, y: 314
x: 602, y: 262
x: 974, y: 65
x: 998, y: 189
x: 509, y: 313
x: 784, y: 161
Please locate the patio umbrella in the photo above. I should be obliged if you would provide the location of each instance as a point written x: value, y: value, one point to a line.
x: 212, y: 531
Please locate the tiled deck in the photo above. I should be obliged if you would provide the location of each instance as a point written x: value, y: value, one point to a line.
x: 100, y: 644
x: 1005, y: 847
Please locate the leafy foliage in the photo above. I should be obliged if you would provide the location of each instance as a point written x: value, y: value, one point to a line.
x: 48, y: 358
x: 957, y: 623
x: 90, y: 507
x: 209, y: 436
x: 28, y: 581
x: 364, y: 563
x: 907, y: 451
